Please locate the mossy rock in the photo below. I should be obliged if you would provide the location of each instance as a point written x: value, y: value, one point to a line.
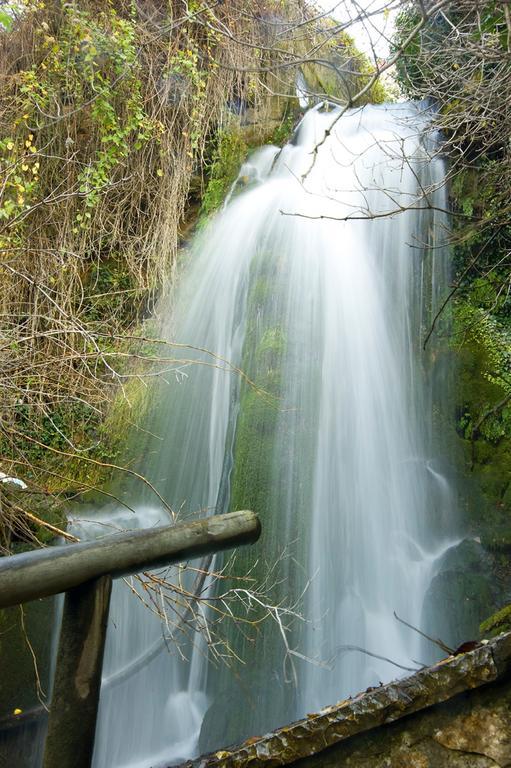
x: 342, y: 72
x: 499, y: 622
x: 506, y: 499
x: 252, y: 697
x: 270, y: 348
x: 230, y: 152
x: 498, y: 539
x: 462, y: 590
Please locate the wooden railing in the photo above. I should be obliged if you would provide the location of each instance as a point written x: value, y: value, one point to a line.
x: 84, y: 572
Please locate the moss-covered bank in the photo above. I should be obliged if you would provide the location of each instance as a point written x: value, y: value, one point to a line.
x: 460, y: 58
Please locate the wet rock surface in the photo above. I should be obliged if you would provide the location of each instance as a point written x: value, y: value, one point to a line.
x: 463, y: 590
x: 456, y: 714
x: 481, y: 732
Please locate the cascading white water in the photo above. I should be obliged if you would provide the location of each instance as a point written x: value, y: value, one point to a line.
x: 318, y: 283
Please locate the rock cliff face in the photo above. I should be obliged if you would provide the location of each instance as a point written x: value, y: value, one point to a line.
x: 455, y: 714
x: 468, y: 731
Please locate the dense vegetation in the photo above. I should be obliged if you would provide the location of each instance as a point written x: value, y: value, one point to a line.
x: 121, y: 123
x: 118, y: 122
x: 461, y: 58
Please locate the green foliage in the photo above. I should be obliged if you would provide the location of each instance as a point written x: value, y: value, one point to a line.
x: 184, y: 67
x: 231, y: 149
x: 284, y: 130
x: 116, y: 435
x: 104, y: 438
x: 112, y: 292
x: 408, y: 65
x: 423, y: 58
x: 20, y: 168
x: 6, y: 20
x: 223, y: 169
x: 482, y: 342
x: 343, y: 54
x: 460, y: 60
x: 482, y: 314
x: 93, y: 61
x: 489, y: 339
x: 7, y: 16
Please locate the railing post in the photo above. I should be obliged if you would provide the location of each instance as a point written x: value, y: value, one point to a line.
x: 75, y: 699
x: 84, y: 571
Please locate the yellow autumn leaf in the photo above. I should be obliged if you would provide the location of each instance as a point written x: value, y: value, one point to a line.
x: 17, y: 711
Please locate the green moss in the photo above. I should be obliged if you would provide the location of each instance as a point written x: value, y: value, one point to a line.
x: 117, y: 442
x: 260, y: 291
x: 233, y: 144
x: 99, y: 440
x: 498, y: 538
x: 270, y: 349
x: 255, y: 433
x: 283, y: 131
x: 462, y: 592
x: 254, y: 481
x: 112, y: 293
x: 357, y: 71
x: 260, y: 481
x: 252, y: 478
x: 223, y: 169
x: 499, y: 622
x: 484, y: 419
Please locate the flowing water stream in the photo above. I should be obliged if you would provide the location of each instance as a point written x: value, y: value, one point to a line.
x: 319, y: 285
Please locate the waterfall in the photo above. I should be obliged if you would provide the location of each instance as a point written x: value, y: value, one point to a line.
x: 319, y: 280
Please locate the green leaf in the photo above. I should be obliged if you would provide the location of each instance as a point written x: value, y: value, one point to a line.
x: 6, y: 21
